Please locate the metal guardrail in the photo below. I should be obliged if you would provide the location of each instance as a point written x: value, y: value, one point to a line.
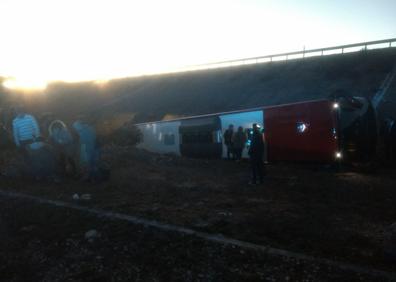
x: 286, y: 56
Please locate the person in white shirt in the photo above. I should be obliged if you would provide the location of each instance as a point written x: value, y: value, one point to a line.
x: 37, y: 154
x: 25, y: 128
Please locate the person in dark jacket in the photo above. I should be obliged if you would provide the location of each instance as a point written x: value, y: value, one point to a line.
x: 62, y: 141
x: 239, y: 142
x: 228, y: 138
x: 256, y: 154
x: 392, y: 133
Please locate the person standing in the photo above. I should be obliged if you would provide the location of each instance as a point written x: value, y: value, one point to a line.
x: 37, y: 155
x: 88, y: 152
x: 45, y: 121
x: 64, y: 147
x: 239, y: 142
x: 228, y: 138
x: 25, y: 128
x: 256, y: 154
x: 392, y: 133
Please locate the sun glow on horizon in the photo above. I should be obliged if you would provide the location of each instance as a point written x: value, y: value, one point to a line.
x: 24, y: 84
x: 100, y: 40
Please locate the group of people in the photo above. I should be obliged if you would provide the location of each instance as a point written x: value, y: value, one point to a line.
x: 52, y: 150
x: 236, y: 143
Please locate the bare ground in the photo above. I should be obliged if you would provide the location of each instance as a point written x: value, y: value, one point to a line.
x: 303, y: 208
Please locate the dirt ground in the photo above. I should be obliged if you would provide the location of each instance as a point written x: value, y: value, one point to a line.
x: 310, y: 209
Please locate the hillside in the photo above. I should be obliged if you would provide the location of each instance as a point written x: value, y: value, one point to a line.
x: 156, y: 97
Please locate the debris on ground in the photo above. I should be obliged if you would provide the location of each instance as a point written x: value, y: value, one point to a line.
x: 60, y: 250
x: 390, y: 242
x: 308, y: 209
x: 91, y: 235
x: 86, y: 197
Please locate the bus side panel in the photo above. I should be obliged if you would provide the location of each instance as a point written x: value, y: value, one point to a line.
x: 302, y: 132
x: 245, y: 119
x: 199, y: 138
x: 160, y: 137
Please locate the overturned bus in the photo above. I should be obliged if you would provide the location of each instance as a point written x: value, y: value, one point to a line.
x: 324, y: 130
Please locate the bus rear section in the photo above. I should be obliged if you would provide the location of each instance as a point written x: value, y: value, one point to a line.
x: 302, y: 132
x: 358, y: 130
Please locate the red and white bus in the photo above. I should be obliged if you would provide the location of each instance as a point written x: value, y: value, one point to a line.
x: 318, y: 131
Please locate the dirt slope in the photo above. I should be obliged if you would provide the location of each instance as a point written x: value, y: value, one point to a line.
x: 155, y: 97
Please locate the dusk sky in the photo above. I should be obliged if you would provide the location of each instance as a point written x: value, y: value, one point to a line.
x: 73, y: 40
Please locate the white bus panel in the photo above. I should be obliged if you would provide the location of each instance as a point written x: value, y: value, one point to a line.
x: 161, y: 137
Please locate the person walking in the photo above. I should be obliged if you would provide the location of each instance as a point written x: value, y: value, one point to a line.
x: 239, y: 142
x: 228, y: 138
x: 256, y: 154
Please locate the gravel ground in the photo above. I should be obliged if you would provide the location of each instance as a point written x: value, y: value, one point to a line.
x: 43, y: 243
x: 308, y: 209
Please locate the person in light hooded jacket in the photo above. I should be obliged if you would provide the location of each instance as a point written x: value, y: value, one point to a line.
x: 87, y: 149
